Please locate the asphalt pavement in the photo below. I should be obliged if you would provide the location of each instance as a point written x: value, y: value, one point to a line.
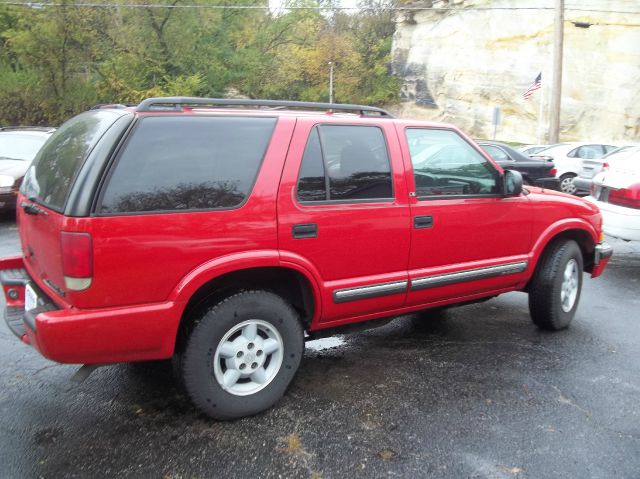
x: 478, y: 392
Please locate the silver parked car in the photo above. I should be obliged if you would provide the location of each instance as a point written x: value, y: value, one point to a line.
x: 591, y: 167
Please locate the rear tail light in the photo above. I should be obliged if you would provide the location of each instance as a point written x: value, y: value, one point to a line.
x: 77, y: 260
x: 605, y: 166
x: 592, y: 189
x: 553, y: 172
x: 628, y: 197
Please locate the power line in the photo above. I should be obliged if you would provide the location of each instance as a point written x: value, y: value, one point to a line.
x: 39, y: 5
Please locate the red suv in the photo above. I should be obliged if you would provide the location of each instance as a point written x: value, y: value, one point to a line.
x: 226, y: 236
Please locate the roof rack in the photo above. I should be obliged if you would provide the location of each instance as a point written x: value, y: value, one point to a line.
x: 45, y: 129
x: 177, y: 104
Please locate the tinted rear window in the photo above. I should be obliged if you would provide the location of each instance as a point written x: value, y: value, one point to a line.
x: 188, y: 163
x: 51, y: 175
x: 353, y: 159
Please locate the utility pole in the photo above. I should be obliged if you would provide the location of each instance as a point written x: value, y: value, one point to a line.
x: 330, y: 82
x: 556, y: 85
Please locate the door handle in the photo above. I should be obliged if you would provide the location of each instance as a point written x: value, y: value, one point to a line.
x: 309, y: 230
x: 422, y: 222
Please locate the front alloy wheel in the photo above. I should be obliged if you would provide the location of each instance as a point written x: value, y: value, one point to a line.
x: 570, y: 289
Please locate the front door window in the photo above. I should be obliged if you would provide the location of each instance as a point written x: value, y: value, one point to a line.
x: 444, y: 164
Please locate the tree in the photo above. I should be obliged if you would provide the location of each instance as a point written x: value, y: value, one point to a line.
x: 61, y: 59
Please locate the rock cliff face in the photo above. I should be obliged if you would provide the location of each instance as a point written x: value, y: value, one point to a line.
x: 460, y: 63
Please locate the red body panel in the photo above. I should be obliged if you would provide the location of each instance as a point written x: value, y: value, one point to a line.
x: 40, y: 240
x: 357, y: 243
x: 107, y: 335
x: 146, y: 267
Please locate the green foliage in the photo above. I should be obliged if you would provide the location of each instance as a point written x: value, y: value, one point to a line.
x: 56, y: 61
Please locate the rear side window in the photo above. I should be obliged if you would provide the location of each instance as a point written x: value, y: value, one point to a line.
x: 187, y: 163
x: 345, y: 163
x: 51, y: 175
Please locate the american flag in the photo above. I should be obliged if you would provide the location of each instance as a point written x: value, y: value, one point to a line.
x: 536, y: 85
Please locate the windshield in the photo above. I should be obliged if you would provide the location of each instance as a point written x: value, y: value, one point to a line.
x: 622, y: 152
x: 16, y: 146
x: 49, y: 178
x: 555, y: 147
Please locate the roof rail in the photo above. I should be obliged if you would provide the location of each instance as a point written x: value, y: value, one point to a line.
x: 45, y: 129
x: 111, y: 105
x: 177, y: 103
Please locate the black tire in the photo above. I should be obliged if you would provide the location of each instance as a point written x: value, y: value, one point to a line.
x: 546, y: 288
x: 205, y: 340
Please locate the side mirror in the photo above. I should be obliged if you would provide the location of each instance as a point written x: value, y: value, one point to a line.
x: 512, y: 183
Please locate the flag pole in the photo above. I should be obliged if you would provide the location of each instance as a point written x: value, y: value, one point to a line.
x: 540, y: 118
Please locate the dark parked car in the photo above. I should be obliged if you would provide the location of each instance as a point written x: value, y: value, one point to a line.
x: 535, y: 172
x: 18, y: 146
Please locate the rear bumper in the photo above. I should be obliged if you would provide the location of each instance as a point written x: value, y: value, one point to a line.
x: 548, y: 183
x: 619, y: 221
x: 105, y: 335
x: 583, y: 185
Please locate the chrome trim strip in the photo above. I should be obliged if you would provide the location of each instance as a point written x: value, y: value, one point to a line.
x: 467, y: 275
x: 365, y: 292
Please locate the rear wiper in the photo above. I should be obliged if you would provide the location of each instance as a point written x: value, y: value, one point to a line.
x: 9, y: 158
x: 32, y: 209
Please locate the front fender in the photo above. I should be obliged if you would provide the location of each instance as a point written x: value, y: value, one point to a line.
x: 559, y: 227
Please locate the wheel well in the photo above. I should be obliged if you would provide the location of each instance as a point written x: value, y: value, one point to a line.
x: 286, y: 283
x: 585, y: 242
x: 587, y: 246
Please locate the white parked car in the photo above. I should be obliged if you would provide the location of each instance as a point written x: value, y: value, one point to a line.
x: 567, y: 158
x: 591, y: 168
x: 18, y: 147
x: 617, y: 194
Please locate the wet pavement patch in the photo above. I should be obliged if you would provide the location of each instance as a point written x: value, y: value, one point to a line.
x: 475, y: 392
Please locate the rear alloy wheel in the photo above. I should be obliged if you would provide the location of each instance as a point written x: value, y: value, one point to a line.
x: 567, y: 185
x: 242, y: 354
x: 248, y: 357
x: 554, y: 291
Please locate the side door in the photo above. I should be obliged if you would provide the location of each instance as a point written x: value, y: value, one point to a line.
x: 343, y: 214
x: 467, y: 238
